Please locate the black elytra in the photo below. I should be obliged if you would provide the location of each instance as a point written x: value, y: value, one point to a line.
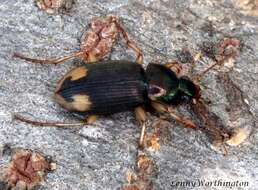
x: 108, y: 87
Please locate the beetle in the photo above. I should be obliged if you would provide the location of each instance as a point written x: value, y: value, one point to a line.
x: 106, y: 87
x: 109, y: 87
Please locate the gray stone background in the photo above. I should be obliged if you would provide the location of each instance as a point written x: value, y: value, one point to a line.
x: 99, y: 157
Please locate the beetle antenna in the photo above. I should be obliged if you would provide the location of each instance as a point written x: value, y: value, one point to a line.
x: 48, y: 61
x: 46, y: 124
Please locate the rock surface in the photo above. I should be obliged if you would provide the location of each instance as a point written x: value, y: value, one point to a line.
x: 99, y: 157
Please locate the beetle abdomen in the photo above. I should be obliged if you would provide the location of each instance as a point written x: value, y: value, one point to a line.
x: 103, y: 88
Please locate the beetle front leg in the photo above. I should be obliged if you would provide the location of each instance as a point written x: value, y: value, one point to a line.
x: 141, y: 118
x: 180, y: 119
x: 220, y: 62
x: 199, y: 76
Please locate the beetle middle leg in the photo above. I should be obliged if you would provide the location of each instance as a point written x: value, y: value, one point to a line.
x: 180, y: 119
x: 130, y: 43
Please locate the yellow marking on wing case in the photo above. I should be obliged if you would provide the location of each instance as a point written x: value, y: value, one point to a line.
x: 74, y: 74
x: 79, y: 103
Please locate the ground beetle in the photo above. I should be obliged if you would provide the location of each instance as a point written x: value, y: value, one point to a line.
x: 107, y: 87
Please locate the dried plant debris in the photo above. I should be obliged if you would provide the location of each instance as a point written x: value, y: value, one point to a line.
x: 26, y: 170
x: 159, y: 133
x: 234, y: 95
x: 55, y: 6
x: 228, y: 47
x: 223, y: 53
x: 144, y: 164
x: 238, y: 136
x: 216, y: 130
x: 99, y: 40
x: 211, y: 124
x: 130, y: 187
x: 153, y: 142
x: 145, y: 171
x: 237, y: 110
x: 96, y: 43
x: 247, y: 7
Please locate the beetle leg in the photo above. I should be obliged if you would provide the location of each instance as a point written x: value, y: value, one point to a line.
x: 91, y: 58
x: 91, y: 119
x: 35, y: 123
x: 224, y: 150
x: 175, y: 67
x: 179, y: 69
x: 141, y: 118
x: 199, y: 76
x: 180, y: 119
x: 48, y: 61
x: 130, y: 44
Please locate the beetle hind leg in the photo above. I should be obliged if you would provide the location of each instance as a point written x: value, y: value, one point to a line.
x: 48, y: 61
x: 89, y: 120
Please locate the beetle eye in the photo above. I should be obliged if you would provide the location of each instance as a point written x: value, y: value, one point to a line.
x: 155, y: 91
